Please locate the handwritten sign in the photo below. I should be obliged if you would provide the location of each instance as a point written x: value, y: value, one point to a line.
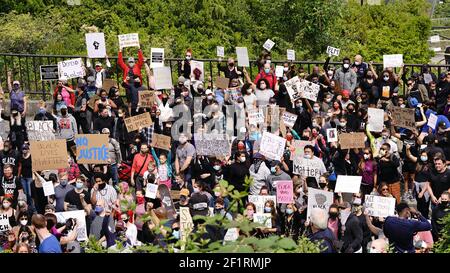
x: 394, y: 60
x: 255, y: 116
x: 128, y: 40
x: 293, y: 88
x: 161, y: 141
x: 298, y: 147
x: 95, y: 44
x: 264, y: 219
x: 48, y: 188
x: 49, y: 154
x: 268, y: 44
x: 211, y: 145
x: 133, y: 123
x: 146, y: 98
x: 379, y: 206
x: 376, y: 119
x: 272, y: 146
x: 290, y: 54
x: 222, y: 83
x: 308, y: 167
x: 242, y: 56
x: 285, y: 192
x: 220, y: 51
x: 435, y: 39
x: 403, y: 117
x: 80, y: 217
x: 49, y: 72
x: 352, y: 140
x: 92, y: 148
x: 260, y: 201
x: 432, y: 120
x: 40, y: 130
x: 348, y: 183
x: 289, y: 119
x: 186, y: 223
x: 71, y: 69
x: 4, y: 222
x: 332, y: 135
x: 197, y: 65
x: 332, y: 51
x: 157, y: 57
x: 279, y: 71
x: 319, y: 199
x: 163, y: 78
x: 309, y: 90
x: 151, y: 190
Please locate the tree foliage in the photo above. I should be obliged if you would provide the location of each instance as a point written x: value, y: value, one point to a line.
x: 308, y: 27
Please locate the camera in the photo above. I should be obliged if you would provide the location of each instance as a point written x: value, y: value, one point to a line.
x: 70, y: 223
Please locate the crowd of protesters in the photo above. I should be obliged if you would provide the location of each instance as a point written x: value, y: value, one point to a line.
x: 408, y: 165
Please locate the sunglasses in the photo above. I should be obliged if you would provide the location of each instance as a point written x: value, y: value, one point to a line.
x: 384, y: 189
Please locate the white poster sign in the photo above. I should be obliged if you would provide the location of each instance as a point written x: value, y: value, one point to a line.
x: 40, y: 130
x: 255, y: 116
x: 71, y: 69
x: 48, y: 188
x: 263, y: 219
x: 432, y: 120
x: 128, y: 40
x: 394, y: 60
x: 163, y: 78
x: 199, y: 66
x: 332, y: 51
x: 151, y: 190
x: 348, y: 183
x: 231, y: 235
x: 272, y: 146
x: 293, y: 88
x: 289, y: 119
x: 269, y: 44
x: 332, y: 135
x: 95, y: 44
x: 80, y: 217
x: 260, y: 201
x: 279, y: 71
x: 435, y: 39
x: 157, y: 57
x: 309, y: 90
x: 290, y: 54
x: 376, y: 119
x: 379, y: 206
x: 319, y: 199
x: 242, y: 56
x: 220, y: 51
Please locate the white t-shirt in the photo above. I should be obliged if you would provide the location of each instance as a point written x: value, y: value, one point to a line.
x: 249, y: 100
x: 263, y: 96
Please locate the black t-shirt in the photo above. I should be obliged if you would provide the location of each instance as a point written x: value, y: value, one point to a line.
x: 26, y: 167
x: 73, y: 198
x: 10, y: 188
x: 11, y: 158
x: 439, y: 182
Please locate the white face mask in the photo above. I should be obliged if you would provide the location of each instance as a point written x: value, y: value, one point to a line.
x: 330, y: 73
x: 6, y: 205
x: 285, y: 69
x: 328, y: 100
x: 23, y: 222
x: 357, y: 63
x: 216, y: 167
x: 316, y: 109
x: 366, y: 157
x: 242, y: 158
x: 402, y: 105
x: 346, y: 66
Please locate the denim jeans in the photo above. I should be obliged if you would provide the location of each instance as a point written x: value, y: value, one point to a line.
x: 26, y: 185
x: 114, y: 174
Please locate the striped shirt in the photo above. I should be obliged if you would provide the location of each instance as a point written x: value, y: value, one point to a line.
x: 108, y: 195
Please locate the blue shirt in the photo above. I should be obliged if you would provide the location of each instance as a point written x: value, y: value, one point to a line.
x: 401, y: 232
x: 50, y: 245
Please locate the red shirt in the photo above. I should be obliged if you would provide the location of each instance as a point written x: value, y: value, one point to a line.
x: 138, y: 162
x: 136, y: 68
x: 271, y: 78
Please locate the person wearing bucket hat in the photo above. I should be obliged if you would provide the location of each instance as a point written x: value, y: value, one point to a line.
x: 259, y: 171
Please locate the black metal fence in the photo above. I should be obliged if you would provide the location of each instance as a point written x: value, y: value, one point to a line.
x: 26, y: 69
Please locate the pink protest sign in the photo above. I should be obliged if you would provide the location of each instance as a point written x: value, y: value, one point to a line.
x: 285, y: 192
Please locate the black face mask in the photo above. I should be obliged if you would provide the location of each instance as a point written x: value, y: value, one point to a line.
x: 322, y: 185
x: 63, y: 112
x: 101, y: 186
x: 444, y: 204
x: 333, y: 215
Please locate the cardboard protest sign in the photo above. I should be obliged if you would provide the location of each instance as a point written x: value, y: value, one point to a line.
x: 40, y: 130
x: 211, y: 144
x: 157, y: 57
x: 293, y: 88
x: 298, y: 146
x: 146, y: 98
x: 220, y: 51
x: 92, y: 148
x: 319, y: 199
x: 403, y: 117
x: 332, y: 51
x: 151, y: 190
x: 48, y: 188
x: 80, y: 218
x: 163, y: 78
x: 289, y: 119
x: 166, y: 201
x: 435, y: 39
x: 4, y: 222
x: 352, y: 140
x: 222, y: 82
x: 242, y: 56
x: 268, y: 44
x: 379, y: 206
x: 332, y: 135
x: 290, y: 54
x: 133, y: 123
x: 272, y: 146
x: 49, y: 154
x: 272, y: 115
x: 255, y: 116
x: 309, y: 90
x: 49, y: 72
x: 348, y: 183
x: 285, y: 192
x: 308, y: 167
x: 200, y: 66
x: 95, y: 44
x: 161, y: 141
x: 432, y: 120
x: 128, y: 40
x: 108, y: 83
x: 279, y: 71
x: 260, y: 201
x: 264, y: 219
x: 393, y: 60
x: 186, y: 223
x: 71, y: 69
x: 376, y: 119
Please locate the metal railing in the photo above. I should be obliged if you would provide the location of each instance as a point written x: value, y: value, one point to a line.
x: 26, y: 69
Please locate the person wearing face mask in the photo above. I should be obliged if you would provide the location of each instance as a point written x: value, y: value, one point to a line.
x: 388, y: 170
x: 263, y: 92
x: 358, y: 211
x: 8, y: 211
x: 202, y: 171
x: 98, y: 220
x: 18, y: 98
x: 291, y: 223
x: 102, y: 191
x: 81, y: 108
x: 25, y: 172
x: 9, y: 156
x: 219, y: 209
x: 334, y: 222
x: 139, y: 166
x: 421, y: 179
x: 121, y: 134
x: 184, y: 157
x: 360, y: 66
x: 263, y: 232
x: 231, y: 71
x: 346, y: 76
x: 67, y: 127
x: 250, y: 210
x: 236, y: 172
x: 44, y: 115
x: 184, y: 67
x: 259, y: 172
x: 367, y: 168
x: 104, y: 103
x: 304, y: 118
x: 17, y: 129
x: 249, y: 98
x: 104, y: 121
x: 439, y: 213
x: 276, y: 174
x: 132, y: 66
x: 62, y: 187
x: 78, y: 198
x: 266, y: 74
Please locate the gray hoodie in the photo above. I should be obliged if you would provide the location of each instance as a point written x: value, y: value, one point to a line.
x: 67, y: 127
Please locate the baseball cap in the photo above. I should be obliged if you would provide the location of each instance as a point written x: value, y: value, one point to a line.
x: 184, y: 192
x: 98, y: 64
x: 275, y: 163
x: 258, y: 156
x: 198, y: 204
x: 16, y: 82
x: 63, y: 106
x: 105, y: 131
x: 131, y: 60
